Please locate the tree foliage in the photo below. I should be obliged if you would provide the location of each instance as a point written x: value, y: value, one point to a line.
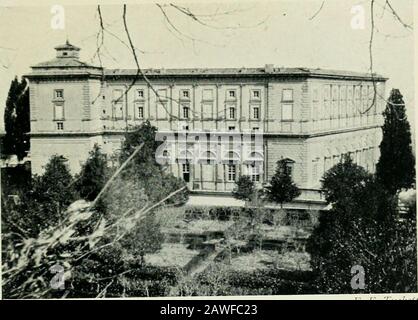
x: 281, y: 188
x: 98, y: 251
x: 17, y: 120
x: 342, y: 181
x: 145, y: 237
x: 244, y: 189
x: 44, y: 200
x: 93, y: 175
x: 396, y: 166
x: 54, y: 190
x: 156, y: 182
x: 361, y: 229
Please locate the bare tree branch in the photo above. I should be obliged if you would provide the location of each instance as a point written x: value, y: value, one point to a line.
x: 371, y: 57
x: 190, y: 14
x: 181, y: 33
x: 318, y: 11
x: 395, y: 14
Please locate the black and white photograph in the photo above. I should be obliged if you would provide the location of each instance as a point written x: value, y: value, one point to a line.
x: 186, y: 149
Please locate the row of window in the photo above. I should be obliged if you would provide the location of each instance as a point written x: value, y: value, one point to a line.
x: 253, y: 170
x: 340, y: 101
x: 287, y: 112
x: 231, y: 114
x: 207, y: 94
x: 330, y: 93
x: 186, y: 112
x: 185, y: 94
x: 364, y: 157
x: 231, y: 169
x: 346, y: 110
x: 207, y: 108
x: 343, y: 92
x: 354, y: 95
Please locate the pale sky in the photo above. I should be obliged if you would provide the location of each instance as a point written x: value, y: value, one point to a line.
x: 241, y: 34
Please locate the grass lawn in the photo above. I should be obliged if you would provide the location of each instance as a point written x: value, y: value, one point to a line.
x: 251, y: 261
x: 198, y: 226
x: 171, y: 255
x: 283, y: 232
x: 264, y: 259
x: 293, y: 261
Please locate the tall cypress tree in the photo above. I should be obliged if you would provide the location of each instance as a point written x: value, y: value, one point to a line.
x: 22, y: 120
x: 396, y: 166
x: 16, y: 120
x: 10, y: 118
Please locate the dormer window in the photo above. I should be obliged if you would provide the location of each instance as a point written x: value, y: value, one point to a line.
x: 59, y: 94
x: 231, y: 94
x: 256, y: 94
x: 185, y: 94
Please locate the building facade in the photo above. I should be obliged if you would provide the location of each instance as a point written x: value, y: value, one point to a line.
x: 310, y: 117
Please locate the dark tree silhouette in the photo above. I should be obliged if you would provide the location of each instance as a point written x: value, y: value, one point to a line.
x: 396, y: 166
x: 342, y: 180
x: 362, y: 230
x: 16, y: 120
x: 44, y: 199
x: 244, y: 189
x: 93, y: 175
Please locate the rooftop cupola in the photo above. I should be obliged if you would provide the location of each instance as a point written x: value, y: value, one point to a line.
x: 67, y: 50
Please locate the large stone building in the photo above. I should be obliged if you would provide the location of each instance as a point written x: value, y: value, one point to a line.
x: 311, y: 117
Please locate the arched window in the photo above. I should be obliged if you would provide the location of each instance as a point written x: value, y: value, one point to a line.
x: 256, y: 155
x: 231, y: 157
x: 185, y: 156
x: 208, y: 157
